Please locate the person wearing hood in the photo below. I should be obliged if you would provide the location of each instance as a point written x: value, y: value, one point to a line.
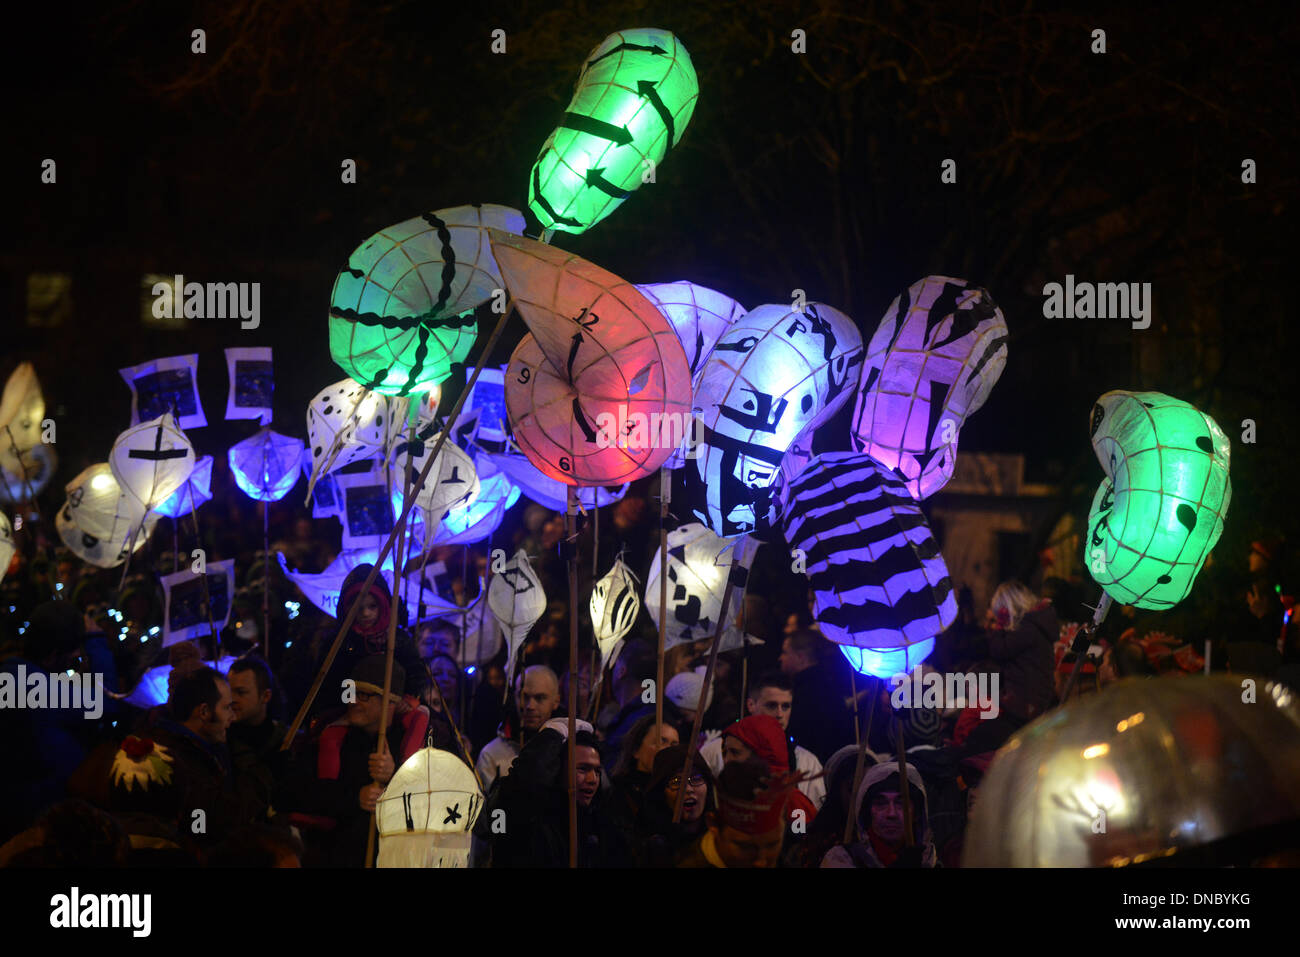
x: 369, y: 636
x: 881, y: 838
x: 828, y: 829
x: 761, y: 737
x: 660, y: 841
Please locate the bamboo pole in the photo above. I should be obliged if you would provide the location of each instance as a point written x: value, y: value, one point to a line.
x: 665, y: 490
x: 571, y: 522
x: 905, y: 789
x: 388, y: 545
x: 864, y: 742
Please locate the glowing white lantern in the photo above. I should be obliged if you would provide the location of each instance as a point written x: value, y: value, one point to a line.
x: 196, y: 490
x: 614, y: 606
x: 266, y: 465
x: 427, y: 812
x: 25, y: 476
x: 98, y: 505
x: 110, y: 550
x: 516, y: 599
x: 935, y: 357
x: 22, y: 410
x: 700, y: 564
x: 151, y: 460
x: 775, y: 375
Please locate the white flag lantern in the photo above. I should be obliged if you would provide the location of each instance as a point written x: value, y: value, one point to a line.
x: 7, y: 547
x: 516, y: 599
x: 252, y: 383
x: 401, y: 312
x: 22, y: 410
x: 880, y: 586
x: 168, y: 385
x: 26, y: 475
x: 614, y: 606
x: 774, y: 375
x: 427, y: 812
x: 933, y: 360
x: 699, y: 566
x: 196, y: 490
x: 266, y: 465
x: 151, y: 460
x: 109, y: 551
x: 600, y: 356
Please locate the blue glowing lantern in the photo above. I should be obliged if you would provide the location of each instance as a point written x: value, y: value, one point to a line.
x: 266, y: 465
x: 880, y: 586
x: 196, y: 490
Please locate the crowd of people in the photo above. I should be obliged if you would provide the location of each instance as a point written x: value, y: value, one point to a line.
x: 797, y: 763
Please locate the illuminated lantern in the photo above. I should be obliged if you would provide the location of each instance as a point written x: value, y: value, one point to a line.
x: 601, y: 380
x: 635, y: 95
x: 266, y: 465
x: 479, y: 629
x: 880, y: 586
x: 452, y: 483
x: 7, y: 547
x: 699, y: 566
x: 486, y: 406
x: 22, y: 410
x: 196, y: 490
x: 1149, y: 769
x: 402, y: 311
x: 347, y: 423
x: 614, y: 606
x: 25, y: 477
x: 166, y: 385
x: 481, y: 517
x: 773, y: 376
x: 252, y: 383
x: 699, y: 316
x: 793, y: 463
x: 1161, y: 507
x: 99, y: 506
x: 185, y: 617
x: 933, y: 360
x: 545, y: 490
x: 151, y: 460
x: 108, y: 551
x: 427, y: 812
x: 516, y: 600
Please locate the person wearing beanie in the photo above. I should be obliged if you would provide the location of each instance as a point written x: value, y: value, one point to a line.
x: 369, y: 636
x: 748, y: 828
x: 333, y: 784
x: 881, y: 839
x: 659, y: 841
x: 772, y: 694
x: 684, y: 691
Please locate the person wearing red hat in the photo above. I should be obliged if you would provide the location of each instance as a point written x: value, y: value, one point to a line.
x: 761, y: 737
x: 748, y: 829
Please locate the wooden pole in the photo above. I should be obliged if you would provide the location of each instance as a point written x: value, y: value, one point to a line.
x: 388, y: 545
x: 700, y: 706
x: 665, y: 490
x: 905, y: 789
x: 864, y: 742
x: 381, y: 747
x: 266, y: 580
x: 572, y: 548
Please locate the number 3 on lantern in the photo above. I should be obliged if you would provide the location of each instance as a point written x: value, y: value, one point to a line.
x: 525, y: 374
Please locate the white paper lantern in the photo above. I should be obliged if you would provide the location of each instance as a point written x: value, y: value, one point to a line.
x: 700, y: 564
x: 427, y: 812
x: 933, y: 360
x: 152, y: 460
x: 516, y: 599
x: 25, y: 476
x: 614, y: 605
x: 196, y: 490
x: 452, y: 483
x: 99, y: 506
x: 109, y: 551
x: 22, y: 410
x: 347, y: 423
x: 775, y: 375
x: 266, y: 464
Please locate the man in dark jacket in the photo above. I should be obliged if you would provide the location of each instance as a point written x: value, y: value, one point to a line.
x: 533, y: 830
x: 822, y: 722
x: 332, y: 787
x: 254, y: 737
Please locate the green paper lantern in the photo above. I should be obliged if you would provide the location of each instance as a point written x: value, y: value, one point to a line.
x: 402, y: 310
x: 1161, y: 507
x: 635, y: 96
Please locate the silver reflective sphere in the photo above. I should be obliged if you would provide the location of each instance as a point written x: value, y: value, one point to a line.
x: 1139, y: 771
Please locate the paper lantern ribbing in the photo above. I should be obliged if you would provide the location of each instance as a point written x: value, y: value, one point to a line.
x: 452, y: 483
x: 699, y: 315
x: 879, y: 582
x: 29, y: 476
x: 266, y: 465
x: 593, y: 392
x: 98, y: 504
x: 1161, y: 507
x: 427, y: 812
x: 546, y: 491
x: 109, y: 551
x: 402, y: 310
x: 635, y: 95
x: 7, y: 547
x: 151, y: 460
x: 196, y: 490
x: 775, y: 375
x: 933, y: 360
x: 700, y: 564
x: 481, y: 517
x: 516, y: 600
x: 614, y: 605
